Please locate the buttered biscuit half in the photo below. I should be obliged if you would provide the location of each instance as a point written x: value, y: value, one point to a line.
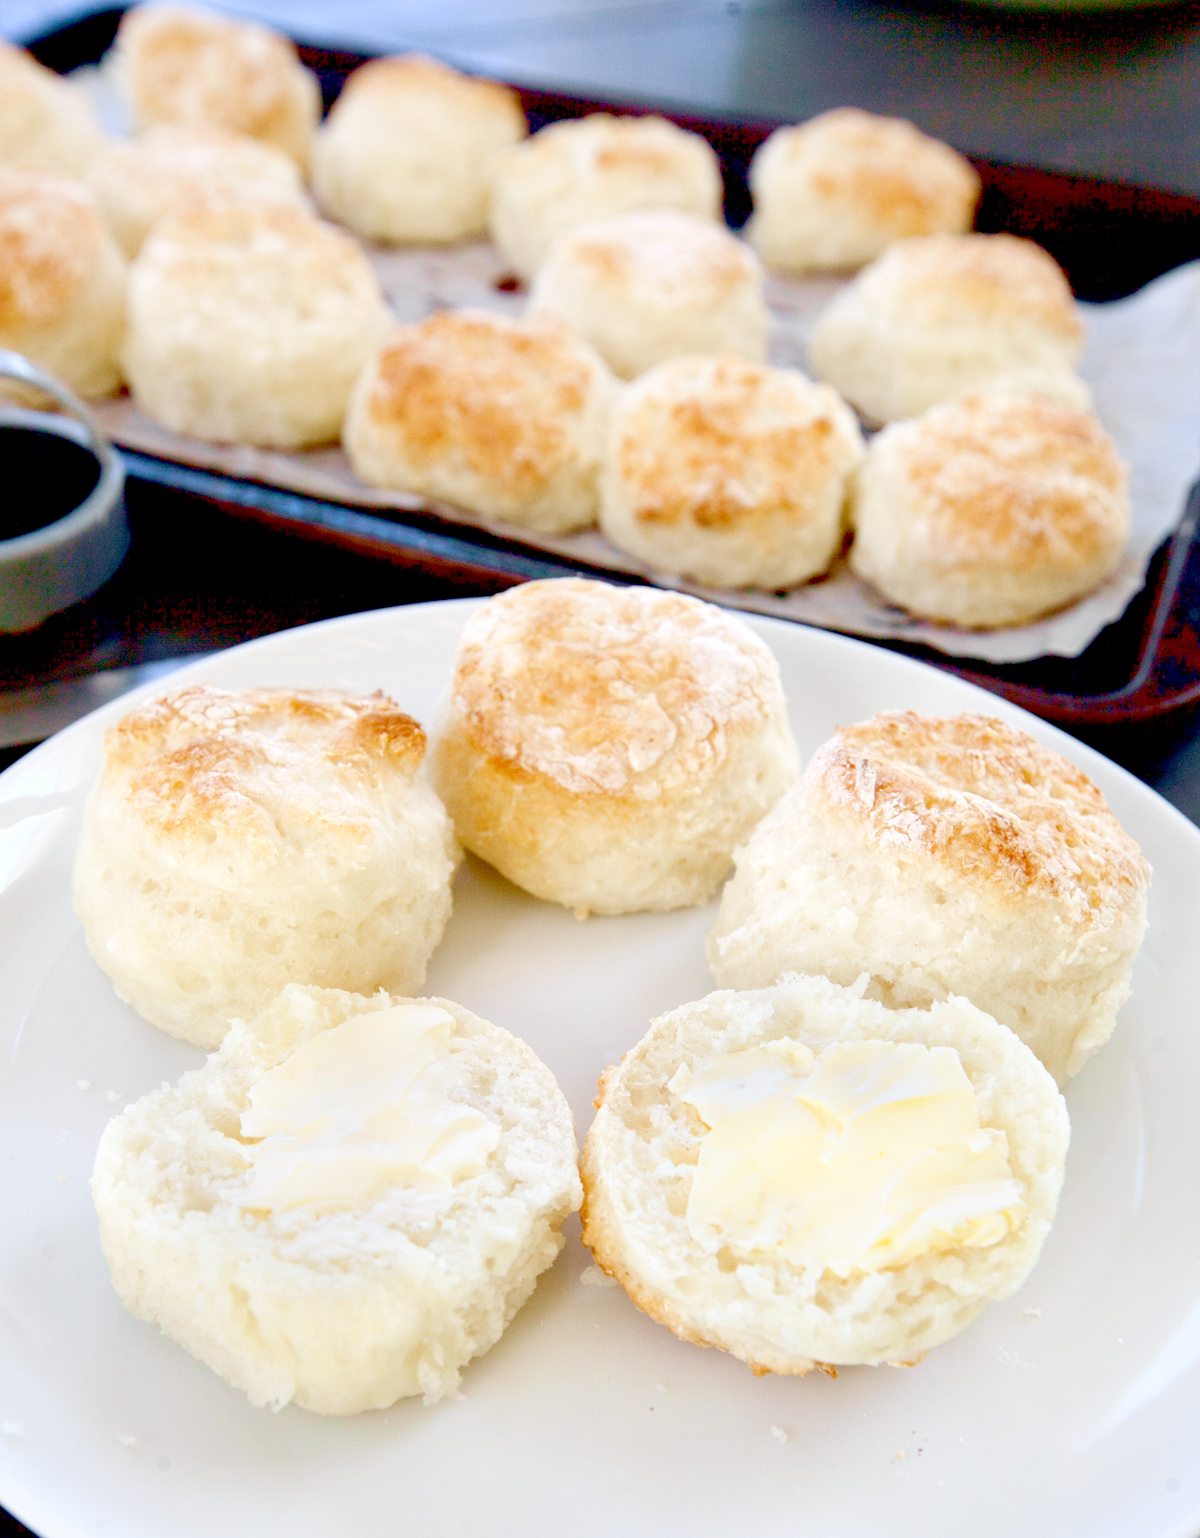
x: 807, y: 1178
x: 346, y: 1204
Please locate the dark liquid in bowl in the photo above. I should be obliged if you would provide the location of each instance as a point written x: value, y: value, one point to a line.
x: 43, y: 477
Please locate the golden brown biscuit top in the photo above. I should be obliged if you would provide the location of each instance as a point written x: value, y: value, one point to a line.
x: 984, y: 804
x: 610, y: 690
x: 51, y: 237
x: 272, y: 254
x: 504, y: 397
x: 722, y: 442
x: 661, y: 256
x: 430, y: 83
x: 193, y: 67
x: 943, y: 280
x: 899, y: 177
x: 171, y: 162
x: 202, y: 763
x: 1038, y: 483
x: 600, y: 144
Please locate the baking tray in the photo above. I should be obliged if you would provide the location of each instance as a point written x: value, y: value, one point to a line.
x: 1110, y: 238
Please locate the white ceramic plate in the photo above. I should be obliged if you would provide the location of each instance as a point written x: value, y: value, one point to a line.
x: 1071, y: 1409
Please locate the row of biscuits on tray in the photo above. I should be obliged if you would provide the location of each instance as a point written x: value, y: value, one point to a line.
x: 189, y: 263
x: 837, y: 1159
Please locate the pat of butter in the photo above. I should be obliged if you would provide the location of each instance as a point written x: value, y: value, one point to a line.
x: 362, y: 1108
x: 859, y: 1160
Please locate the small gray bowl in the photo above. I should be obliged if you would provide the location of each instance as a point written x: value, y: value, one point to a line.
x: 58, y: 565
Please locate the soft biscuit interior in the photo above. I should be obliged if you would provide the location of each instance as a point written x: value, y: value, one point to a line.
x: 708, y: 1196
x: 347, y: 1203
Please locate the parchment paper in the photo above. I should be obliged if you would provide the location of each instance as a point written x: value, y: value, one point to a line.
x: 1142, y: 363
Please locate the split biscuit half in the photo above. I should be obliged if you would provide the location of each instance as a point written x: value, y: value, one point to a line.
x: 732, y: 1174
x: 346, y: 1204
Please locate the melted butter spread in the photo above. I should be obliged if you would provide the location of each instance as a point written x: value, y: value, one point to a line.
x: 859, y: 1160
x: 359, y: 1109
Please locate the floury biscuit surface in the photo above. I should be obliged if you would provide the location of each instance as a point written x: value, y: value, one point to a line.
x: 945, y: 856
x: 835, y: 192
x: 62, y: 279
x: 646, y: 287
x: 736, y: 1286
x: 729, y: 472
x: 238, y: 842
x: 202, y: 70
x: 249, y: 323
x: 606, y: 748
x: 990, y: 511
x: 574, y: 172
x: 139, y: 181
x: 505, y: 417
x: 411, y: 148
x: 340, y: 1224
x: 941, y: 316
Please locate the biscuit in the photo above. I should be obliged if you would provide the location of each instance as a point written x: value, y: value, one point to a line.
x: 504, y: 417
x: 720, y: 1225
x: 835, y: 192
x: 729, y: 472
x: 249, y: 323
x: 945, y: 855
x: 205, y: 71
x: 411, y: 148
x: 946, y: 315
x: 606, y: 748
x: 645, y: 287
x: 139, y: 181
x: 584, y: 169
x: 990, y: 511
x: 44, y: 120
x: 62, y: 279
x: 381, y: 1265
x: 238, y: 842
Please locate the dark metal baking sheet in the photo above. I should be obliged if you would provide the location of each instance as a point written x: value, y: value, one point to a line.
x: 1110, y: 238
